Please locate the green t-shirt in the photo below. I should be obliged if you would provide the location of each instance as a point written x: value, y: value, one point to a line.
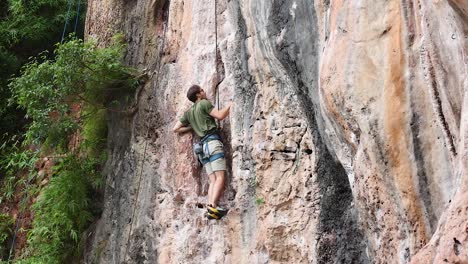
x: 198, y: 117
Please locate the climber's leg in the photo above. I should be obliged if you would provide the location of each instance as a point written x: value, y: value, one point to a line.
x: 218, y: 186
x: 215, y: 170
x: 212, y: 179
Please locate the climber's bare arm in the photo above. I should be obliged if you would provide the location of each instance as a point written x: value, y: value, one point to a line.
x: 222, y: 113
x: 180, y: 128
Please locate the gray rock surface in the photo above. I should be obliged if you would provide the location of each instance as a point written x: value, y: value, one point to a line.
x: 346, y: 139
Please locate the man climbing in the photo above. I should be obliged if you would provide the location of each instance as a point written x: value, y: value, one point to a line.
x: 201, y: 119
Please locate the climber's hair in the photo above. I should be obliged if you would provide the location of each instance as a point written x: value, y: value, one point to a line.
x: 192, y: 92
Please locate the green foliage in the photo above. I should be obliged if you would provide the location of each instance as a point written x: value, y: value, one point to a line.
x: 94, y: 131
x: 260, y: 201
x: 6, y: 228
x: 28, y: 27
x: 62, y: 212
x: 50, y: 87
x: 70, y: 94
x: 15, y: 160
x: 27, y: 23
x: 81, y: 73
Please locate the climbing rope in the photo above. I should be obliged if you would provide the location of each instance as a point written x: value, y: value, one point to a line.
x: 216, y: 53
x: 67, y: 17
x: 25, y: 195
x: 150, y: 110
x: 70, y: 3
x: 77, y: 16
x: 146, y: 143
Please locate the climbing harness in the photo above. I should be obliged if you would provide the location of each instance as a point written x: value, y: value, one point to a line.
x: 198, y: 148
x: 206, y: 155
x: 202, y: 151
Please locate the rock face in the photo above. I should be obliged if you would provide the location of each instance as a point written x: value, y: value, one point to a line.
x: 347, y: 141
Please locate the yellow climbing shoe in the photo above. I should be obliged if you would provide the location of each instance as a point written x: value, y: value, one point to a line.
x: 218, y: 211
x: 212, y: 216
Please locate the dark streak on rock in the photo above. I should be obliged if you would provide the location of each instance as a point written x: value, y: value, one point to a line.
x: 246, y: 91
x: 423, y: 184
x: 421, y: 172
x: 456, y: 245
x: 438, y: 106
x: 385, y: 31
x: 340, y: 239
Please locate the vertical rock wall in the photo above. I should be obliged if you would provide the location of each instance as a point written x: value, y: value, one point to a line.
x: 346, y: 137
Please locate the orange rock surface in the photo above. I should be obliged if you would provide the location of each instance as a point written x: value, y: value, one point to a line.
x: 346, y: 141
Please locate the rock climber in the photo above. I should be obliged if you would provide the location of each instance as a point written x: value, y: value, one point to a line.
x: 201, y: 119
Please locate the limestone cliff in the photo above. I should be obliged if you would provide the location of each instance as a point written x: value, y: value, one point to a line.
x: 347, y: 139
